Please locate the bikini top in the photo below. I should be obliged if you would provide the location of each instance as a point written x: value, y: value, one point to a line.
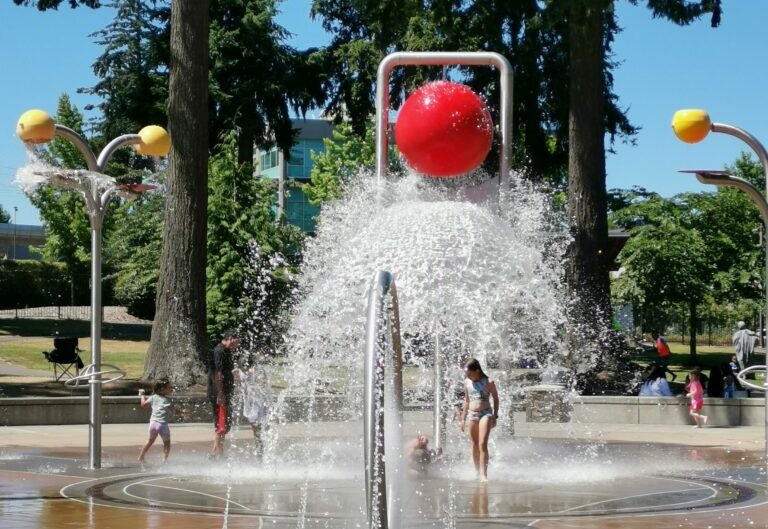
x: 478, y: 390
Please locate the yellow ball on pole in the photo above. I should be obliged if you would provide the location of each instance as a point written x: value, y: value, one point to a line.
x: 154, y: 141
x: 35, y: 126
x: 691, y: 125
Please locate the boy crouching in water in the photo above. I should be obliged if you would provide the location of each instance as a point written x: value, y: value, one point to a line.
x: 162, y: 411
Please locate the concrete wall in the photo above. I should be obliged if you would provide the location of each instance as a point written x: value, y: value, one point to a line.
x: 595, y: 410
x: 666, y: 410
x: 74, y: 410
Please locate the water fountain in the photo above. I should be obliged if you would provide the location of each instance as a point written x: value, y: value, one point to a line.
x: 36, y: 127
x: 478, y: 273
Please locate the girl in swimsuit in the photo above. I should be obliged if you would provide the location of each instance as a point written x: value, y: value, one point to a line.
x: 478, y: 390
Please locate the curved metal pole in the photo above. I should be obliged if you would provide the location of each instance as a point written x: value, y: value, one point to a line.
x: 380, y: 511
x: 724, y: 179
x: 97, y: 203
x: 80, y: 143
x: 441, y: 58
x: 109, y: 149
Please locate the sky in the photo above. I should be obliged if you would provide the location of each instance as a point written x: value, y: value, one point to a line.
x: 663, y: 68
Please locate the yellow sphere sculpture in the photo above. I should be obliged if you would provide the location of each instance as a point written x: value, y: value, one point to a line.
x: 154, y: 141
x: 35, y: 126
x: 691, y: 125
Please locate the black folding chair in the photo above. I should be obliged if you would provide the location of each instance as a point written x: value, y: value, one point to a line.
x: 65, y: 358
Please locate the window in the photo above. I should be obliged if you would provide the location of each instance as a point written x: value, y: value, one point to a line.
x: 297, y: 155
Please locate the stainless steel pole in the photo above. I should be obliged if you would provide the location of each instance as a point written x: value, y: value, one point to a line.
x: 380, y: 511
x: 97, y: 204
x: 722, y: 179
x: 94, y: 444
x: 438, y: 412
x: 762, y: 155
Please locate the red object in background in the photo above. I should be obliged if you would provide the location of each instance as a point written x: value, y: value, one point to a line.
x: 444, y: 129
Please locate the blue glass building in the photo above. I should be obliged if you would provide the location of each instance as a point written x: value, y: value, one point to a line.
x: 290, y: 201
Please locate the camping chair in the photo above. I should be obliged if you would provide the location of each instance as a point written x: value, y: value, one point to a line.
x: 64, y: 357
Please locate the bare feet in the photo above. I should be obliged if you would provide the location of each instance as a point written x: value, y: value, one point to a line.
x: 483, y: 479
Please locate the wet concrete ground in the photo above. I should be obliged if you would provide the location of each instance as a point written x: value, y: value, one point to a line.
x: 687, y: 482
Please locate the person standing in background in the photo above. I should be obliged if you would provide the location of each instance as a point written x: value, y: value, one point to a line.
x: 744, y: 342
x: 662, y: 348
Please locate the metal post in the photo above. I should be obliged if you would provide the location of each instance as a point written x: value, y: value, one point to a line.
x: 441, y: 59
x: 373, y: 417
x: 97, y: 203
x: 721, y: 178
x: 438, y: 411
x: 94, y: 439
x: 15, y: 209
x: 762, y: 155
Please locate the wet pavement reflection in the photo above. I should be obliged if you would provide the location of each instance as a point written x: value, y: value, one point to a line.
x: 722, y: 488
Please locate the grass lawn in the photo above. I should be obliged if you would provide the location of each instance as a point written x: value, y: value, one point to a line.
x: 127, y: 355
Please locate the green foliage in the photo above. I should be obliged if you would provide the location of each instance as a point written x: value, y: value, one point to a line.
x: 695, y: 247
x: 239, y: 213
x: 256, y: 78
x: 134, y: 252
x: 132, y: 72
x: 345, y: 154
x: 5, y: 217
x: 36, y: 284
x: 44, y: 5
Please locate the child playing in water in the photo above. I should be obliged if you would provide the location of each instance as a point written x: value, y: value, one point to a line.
x: 162, y: 410
x: 419, y: 456
x: 696, y: 394
x: 477, y: 405
x: 257, y: 400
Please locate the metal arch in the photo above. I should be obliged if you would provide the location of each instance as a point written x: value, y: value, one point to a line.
x: 440, y: 58
x: 382, y: 329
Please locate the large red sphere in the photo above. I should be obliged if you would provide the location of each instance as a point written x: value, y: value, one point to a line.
x: 444, y: 129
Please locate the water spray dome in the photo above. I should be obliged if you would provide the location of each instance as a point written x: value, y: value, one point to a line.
x: 35, y: 126
x: 444, y: 129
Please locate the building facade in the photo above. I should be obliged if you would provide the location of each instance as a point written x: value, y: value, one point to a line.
x: 16, y: 241
x: 290, y: 201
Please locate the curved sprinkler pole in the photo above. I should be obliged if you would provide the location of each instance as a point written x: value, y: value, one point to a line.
x: 723, y: 178
x: 37, y: 127
x: 382, y: 331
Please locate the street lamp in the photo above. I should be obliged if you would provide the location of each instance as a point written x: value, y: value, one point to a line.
x: 15, y: 209
x: 98, y: 189
x: 692, y: 126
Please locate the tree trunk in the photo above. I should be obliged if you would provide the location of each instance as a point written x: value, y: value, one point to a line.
x: 587, y: 203
x: 693, y: 322
x: 178, y: 334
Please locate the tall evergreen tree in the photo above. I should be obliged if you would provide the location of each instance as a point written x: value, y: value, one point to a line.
x: 178, y: 345
x: 133, y: 69
x: 240, y: 215
x: 256, y: 78
x: 592, y: 26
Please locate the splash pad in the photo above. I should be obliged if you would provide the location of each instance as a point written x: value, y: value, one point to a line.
x: 473, y: 278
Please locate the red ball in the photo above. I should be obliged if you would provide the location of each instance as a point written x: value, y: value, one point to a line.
x: 444, y: 129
